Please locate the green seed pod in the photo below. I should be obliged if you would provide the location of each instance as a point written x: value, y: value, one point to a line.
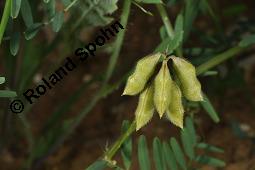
x: 175, y: 111
x: 143, y: 71
x: 186, y: 73
x: 162, y: 88
x: 145, y: 108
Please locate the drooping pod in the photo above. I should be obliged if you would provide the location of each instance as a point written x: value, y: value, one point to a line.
x: 143, y: 71
x: 162, y: 89
x: 186, y: 73
x: 145, y: 108
x: 175, y: 111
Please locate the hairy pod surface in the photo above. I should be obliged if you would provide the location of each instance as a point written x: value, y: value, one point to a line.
x: 175, y: 111
x: 186, y: 73
x: 145, y: 108
x: 143, y: 71
x: 162, y: 89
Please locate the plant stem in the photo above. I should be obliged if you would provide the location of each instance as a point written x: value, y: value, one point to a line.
x: 219, y: 59
x: 111, y: 152
x: 168, y: 25
x: 166, y: 21
x: 70, y: 5
x: 119, y: 41
x: 5, y: 17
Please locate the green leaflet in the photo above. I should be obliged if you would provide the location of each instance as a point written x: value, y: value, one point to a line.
x: 26, y: 13
x: 126, y: 148
x: 58, y: 21
x: 158, y: 154
x: 187, y: 143
x: 178, y: 154
x: 14, y: 43
x: 209, y: 147
x: 179, y: 25
x: 145, y: 108
x: 2, y: 80
x: 207, y: 105
x: 5, y: 17
x: 51, y: 9
x: 162, y: 32
x: 175, y: 112
x: 203, y: 159
x: 143, y: 154
x: 15, y: 8
x: 191, y: 128
x: 247, y: 40
x: 32, y: 30
x: 169, y: 156
x: 143, y: 71
x: 162, y: 86
x: 171, y: 43
x: 94, y: 12
x: 7, y: 93
x: 186, y: 73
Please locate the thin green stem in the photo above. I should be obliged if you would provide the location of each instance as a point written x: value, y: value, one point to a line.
x: 166, y: 21
x: 168, y: 25
x: 70, y: 5
x: 5, y: 17
x: 118, y: 42
x: 219, y: 59
x: 116, y: 146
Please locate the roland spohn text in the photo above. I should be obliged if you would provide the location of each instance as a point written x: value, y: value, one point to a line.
x: 47, y: 83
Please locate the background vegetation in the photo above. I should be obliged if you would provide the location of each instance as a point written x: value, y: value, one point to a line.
x: 78, y: 124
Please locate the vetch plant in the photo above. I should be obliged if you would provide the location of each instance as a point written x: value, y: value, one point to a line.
x: 165, y: 81
x: 163, y: 94
x: 175, y: 81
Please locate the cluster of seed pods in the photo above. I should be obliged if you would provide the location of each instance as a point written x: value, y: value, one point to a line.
x: 162, y: 93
